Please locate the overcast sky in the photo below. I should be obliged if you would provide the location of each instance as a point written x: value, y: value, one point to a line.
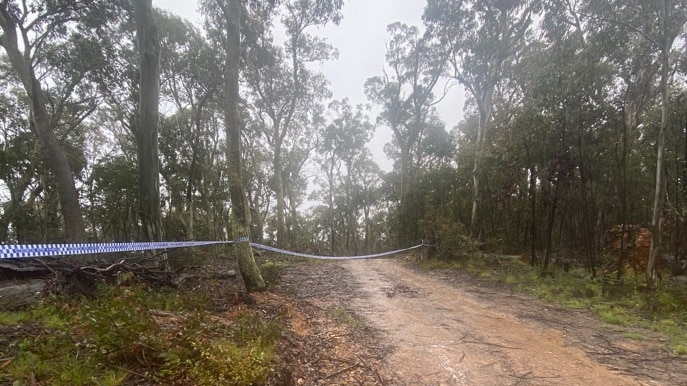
x: 360, y: 39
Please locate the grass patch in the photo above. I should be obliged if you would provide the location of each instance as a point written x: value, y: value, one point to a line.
x: 616, y: 315
x: 635, y: 336
x: 437, y: 264
x: 344, y: 316
x: 511, y: 279
x: 124, y: 335
x: 10, y: 318
x: 226, y: 363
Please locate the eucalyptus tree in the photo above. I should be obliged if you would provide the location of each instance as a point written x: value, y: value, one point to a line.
x: 634, y: 92
x: 405, y: 94
x: 286, y: 93
x: 591, y: 30
x: 344, y: 161
x: 300, y: 150
x: 675, y: 228
x: 563, y: 129
x: 583, y: 79
x: 660, y: 23
x: 111, y: 154
x: 223, y: 18
x: 190, y: 81
x: 213, y: 189
x: 146, y: 128
x: 19, y: 159
x: 31, y: 33
x: 432, y: 170
x: 113, y: 197
x: 344, y: 224
x: 367, y: 173
x: 258, y: 163
x: 482, y: 35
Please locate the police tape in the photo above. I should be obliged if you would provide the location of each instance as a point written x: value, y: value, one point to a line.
x: 10, y: 251
x: 13, y: 251
x: 285, y: 252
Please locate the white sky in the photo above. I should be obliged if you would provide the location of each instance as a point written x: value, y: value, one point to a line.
x: 360, y: 39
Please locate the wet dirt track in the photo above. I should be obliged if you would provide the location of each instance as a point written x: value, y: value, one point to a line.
x: 440, y: 330
x: 444, y: 336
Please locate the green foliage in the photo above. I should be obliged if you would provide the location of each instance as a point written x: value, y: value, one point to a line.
x: 120, y: 325
x: 113, y: 196
x: 225, y: 363
x: 613, y: 314
x: 670, y: 299
x: 242, y: 360
x: 251, y: 329
x: 342, y: 315
x: 87, y: 341
x: 9, y: 318
x: 635, y: 336
x: 435, y: 264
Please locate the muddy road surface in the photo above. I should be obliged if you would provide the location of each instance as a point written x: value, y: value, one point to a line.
x: 442, y: 328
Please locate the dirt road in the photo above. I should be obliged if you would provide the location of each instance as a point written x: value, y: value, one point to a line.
x: 441, y: 330
x: 445, y: 336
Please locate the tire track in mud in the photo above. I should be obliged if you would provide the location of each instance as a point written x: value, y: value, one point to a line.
x: 444, y: 335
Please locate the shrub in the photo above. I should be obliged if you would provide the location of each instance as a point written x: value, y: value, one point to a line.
x: 105, y: 339
x: 225, y: 363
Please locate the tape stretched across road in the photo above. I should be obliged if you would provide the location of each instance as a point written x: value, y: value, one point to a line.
x: 13, y: 251
x: 277, y: 250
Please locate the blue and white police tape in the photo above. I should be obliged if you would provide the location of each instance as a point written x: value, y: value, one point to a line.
x: 50, y: 250
x: 282, y: 251
x: 13, y: 251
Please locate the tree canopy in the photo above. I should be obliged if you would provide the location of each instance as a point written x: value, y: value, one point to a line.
x: 574, y: 124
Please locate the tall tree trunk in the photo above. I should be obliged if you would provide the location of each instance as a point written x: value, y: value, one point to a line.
x: 190, y: 204
x: 257, y: 216
x: 484, y: 116
x: 656, y: 226
x: 684, y: 165
x: 148, y: 41
x: 239, y: 203
x: 368, y: 230
x: 682, y: 225
x: 330, y: 202
x: 549, y: 231
x: 623, y: 199
x: 404, y: 229
x: 351, y: 218
x: 588, y: 234
x: 74, y: 227
x: 279, y: 191
x: 533, y: 212
x: 190, y: 221
x: 405, y: 172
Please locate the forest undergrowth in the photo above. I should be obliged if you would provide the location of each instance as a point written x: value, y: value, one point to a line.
x: 627, y: 302
x: 206, y: 332
x: 129, y: 332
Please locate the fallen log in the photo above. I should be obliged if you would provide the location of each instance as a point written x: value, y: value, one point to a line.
x: 16, y: 294
x: 23, y: 281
